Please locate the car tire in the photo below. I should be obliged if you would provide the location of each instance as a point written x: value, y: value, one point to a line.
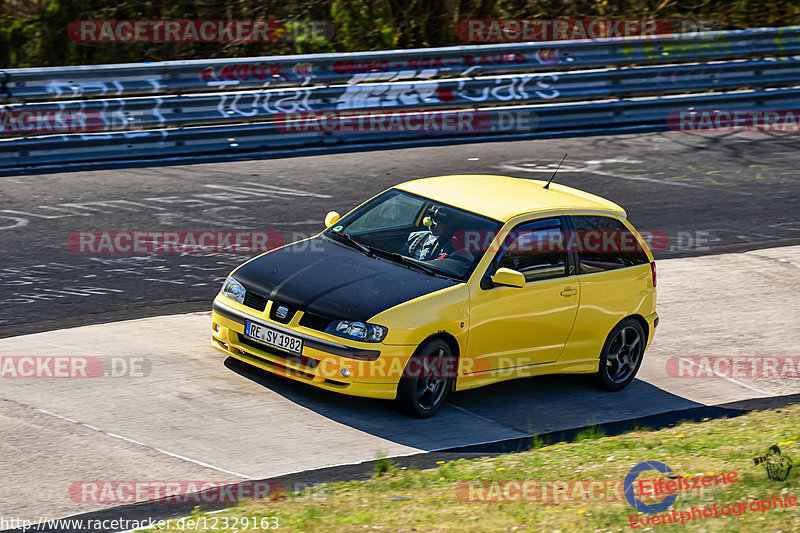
x: 622, y: 355
x: 427, y: 379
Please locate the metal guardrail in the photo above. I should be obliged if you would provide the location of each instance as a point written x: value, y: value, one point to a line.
x: 606, y: 115
x: 519, y: 89
x: 234, y: 105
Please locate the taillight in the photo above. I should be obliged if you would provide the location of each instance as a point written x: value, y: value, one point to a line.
x: 653, y: 270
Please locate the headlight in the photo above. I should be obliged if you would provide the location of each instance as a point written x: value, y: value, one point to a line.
x: 359, y: 331
x: 233, y: 290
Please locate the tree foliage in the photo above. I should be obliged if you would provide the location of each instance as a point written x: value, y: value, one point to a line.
x: 34, y: 32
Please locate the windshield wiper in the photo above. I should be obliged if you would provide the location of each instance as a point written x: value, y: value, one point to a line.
x: 354, y: 243
x: 406, y: 261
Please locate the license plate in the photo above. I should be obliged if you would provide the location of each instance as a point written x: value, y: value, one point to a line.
x: 273, y: 337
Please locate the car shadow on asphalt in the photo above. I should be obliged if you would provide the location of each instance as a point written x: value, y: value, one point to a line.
x: 499, y: 417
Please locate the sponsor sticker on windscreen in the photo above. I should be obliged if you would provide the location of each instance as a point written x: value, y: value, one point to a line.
x: 273, y: 337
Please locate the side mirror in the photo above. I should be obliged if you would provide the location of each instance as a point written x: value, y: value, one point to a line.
x: 508, y: 278
x: 331, y: 219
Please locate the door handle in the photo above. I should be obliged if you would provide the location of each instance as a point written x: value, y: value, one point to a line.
x: 569, y: 292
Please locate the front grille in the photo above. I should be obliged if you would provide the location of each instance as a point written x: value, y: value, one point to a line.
x: 312, y: 321
x: 286, y: 356
x: 255, y: 300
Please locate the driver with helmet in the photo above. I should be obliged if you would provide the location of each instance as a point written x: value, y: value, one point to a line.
x: 437, y: 242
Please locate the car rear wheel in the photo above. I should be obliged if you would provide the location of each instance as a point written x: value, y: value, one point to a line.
x: 427, y: 379
x: 622, y: 355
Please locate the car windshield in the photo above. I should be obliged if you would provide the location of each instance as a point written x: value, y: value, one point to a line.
x: 419, y: 232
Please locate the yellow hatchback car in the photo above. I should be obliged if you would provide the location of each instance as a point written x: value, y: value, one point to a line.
x: 448, y: 283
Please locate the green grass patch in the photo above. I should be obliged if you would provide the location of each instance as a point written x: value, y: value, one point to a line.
x: 383, y: 465
x: 438, y: 499
x: 590, y: 433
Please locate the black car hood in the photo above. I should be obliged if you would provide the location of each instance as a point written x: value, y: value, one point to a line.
x: 334, y: 280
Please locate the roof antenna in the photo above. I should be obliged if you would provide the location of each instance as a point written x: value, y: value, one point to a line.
x: 554, y: 173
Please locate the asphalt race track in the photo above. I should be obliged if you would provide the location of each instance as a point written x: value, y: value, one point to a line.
x: 709, y: 193
x: 193, y: 415
x: 169, y: 407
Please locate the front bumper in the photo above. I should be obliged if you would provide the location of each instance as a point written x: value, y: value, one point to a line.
x: 375, y: 369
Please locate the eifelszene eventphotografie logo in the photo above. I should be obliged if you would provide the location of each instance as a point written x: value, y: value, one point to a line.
x: 630, y: 483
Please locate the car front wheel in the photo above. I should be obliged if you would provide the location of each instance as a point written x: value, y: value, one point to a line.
x: 426, y: 380
x: 622, y: 355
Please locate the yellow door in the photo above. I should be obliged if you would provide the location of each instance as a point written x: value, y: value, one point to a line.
x: 513, y: 327
x: 616, y: 282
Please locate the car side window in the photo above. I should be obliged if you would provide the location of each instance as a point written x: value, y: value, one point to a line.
x: 536, y: 249
x: 604, y: 243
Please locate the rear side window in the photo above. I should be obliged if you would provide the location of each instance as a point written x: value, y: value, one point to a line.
x: 536, y: 249
x: 604, y: 243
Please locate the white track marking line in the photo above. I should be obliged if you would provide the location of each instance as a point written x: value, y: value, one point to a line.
x: 590, y: 170
x: 165, y: 452
x: 593, y: 167
x: 652, y: 180
x: 723, y: 376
